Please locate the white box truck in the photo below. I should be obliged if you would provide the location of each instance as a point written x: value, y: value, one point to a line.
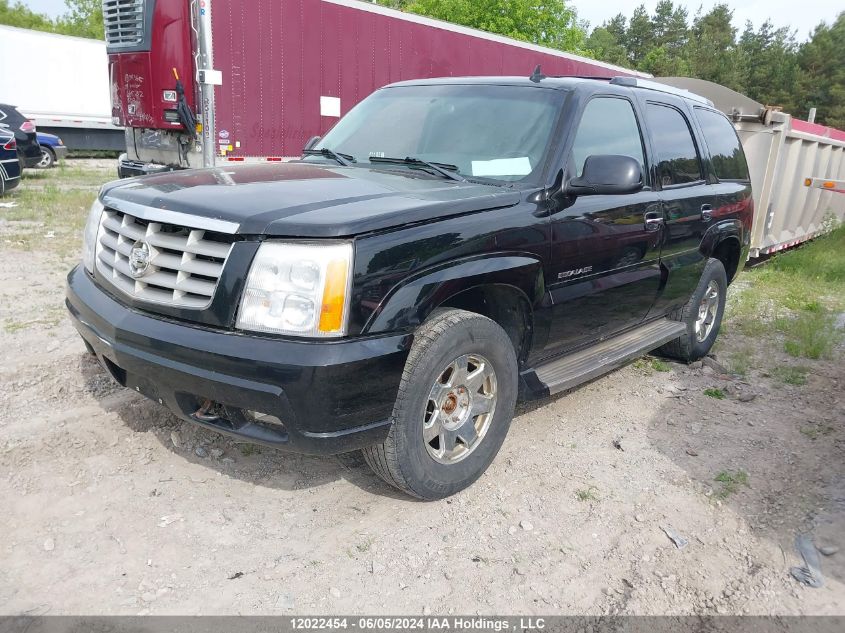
x: 61, y: 83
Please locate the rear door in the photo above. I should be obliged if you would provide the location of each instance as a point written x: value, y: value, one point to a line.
x: 687, y: 198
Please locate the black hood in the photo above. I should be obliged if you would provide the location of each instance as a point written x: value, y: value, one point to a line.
x: 308, y: 200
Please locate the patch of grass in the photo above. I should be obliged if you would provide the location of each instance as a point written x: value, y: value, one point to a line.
x: 50, y: 319
x: 797, y: 294
x: 15, y: 326
x: 815, y: 431
x: 740, y: 361
x: 364, y: 546
x: 587, y: 494
x: 48, y: 218
x: 731, y: 481
x: 649, y: 363
x: 792, y: 375
x: 660, y: 365
x: 714, y: 392
x: 249, y: 449
x: 809, y: 334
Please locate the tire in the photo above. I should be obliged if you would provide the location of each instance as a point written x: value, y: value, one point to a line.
x: 2, y: 184
x: 48, y: 159
x: 702, y: 329
x: 448, y: 459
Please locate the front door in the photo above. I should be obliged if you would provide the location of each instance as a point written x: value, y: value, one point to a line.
x: 605, y: 248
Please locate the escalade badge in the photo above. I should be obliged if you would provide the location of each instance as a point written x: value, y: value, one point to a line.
x: 139, y: 259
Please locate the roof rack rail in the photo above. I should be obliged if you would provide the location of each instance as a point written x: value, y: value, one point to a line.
x: 636, y: 82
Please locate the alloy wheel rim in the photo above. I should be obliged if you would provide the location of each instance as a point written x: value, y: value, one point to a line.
x: 707, y: 310
x: 45, y: 160
x: 459, y: 408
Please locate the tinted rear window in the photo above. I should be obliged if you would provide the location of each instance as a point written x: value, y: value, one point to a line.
x: 9, y: 115
x: 677, y: 158
x: 723, y: 143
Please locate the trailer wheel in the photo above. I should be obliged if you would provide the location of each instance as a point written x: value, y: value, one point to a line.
x: 702, y: 315
x: 455, y: 405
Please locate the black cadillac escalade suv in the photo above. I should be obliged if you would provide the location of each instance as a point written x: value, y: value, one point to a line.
x: 448, y: 247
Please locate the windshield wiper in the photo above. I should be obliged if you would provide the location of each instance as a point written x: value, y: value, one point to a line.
x: 344, y: 159
x: 443, y: 169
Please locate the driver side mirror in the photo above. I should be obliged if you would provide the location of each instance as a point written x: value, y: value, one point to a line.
x: 607, y: 174
x: 311, y: 142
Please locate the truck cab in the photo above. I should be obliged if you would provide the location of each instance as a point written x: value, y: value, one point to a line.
x: 450, y: 246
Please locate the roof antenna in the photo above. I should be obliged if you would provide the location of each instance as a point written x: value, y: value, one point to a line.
x: 537, y: 76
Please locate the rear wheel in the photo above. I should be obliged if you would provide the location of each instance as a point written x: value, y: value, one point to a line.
x: 48, y: 159
x: 702, y: 315
x: 2, y: 184
x: 454, y: 407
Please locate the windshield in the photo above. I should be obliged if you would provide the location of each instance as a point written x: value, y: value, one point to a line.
x: 498, y: 132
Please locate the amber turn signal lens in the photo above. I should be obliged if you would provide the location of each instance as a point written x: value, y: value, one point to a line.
x: 808, y: 182
x: 334, y: 297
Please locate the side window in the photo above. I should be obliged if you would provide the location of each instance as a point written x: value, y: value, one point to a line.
x: 725, y: 149
x: 608, y: 126
x: 677, y: 159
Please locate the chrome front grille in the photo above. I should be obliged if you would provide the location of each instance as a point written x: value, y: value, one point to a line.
x: 160, y: 262
x: 124, y: 22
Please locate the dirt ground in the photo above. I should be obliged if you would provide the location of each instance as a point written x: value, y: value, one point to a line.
x: 112, y: 506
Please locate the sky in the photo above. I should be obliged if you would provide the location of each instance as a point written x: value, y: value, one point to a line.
x: 781, y: 12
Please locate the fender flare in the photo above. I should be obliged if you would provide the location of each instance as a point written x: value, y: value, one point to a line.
x: 726, y: 229
x: 409, y: 302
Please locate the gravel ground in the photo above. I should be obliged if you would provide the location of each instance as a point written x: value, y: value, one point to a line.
x: 119, y: 508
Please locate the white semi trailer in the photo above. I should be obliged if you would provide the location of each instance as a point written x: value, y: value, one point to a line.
x: 61, y: 83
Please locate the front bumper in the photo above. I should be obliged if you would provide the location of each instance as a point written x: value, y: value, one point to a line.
x: 330, y: 397
x: 130, y: 168
x: 60, y: 151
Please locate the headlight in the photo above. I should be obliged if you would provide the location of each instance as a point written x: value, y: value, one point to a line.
x: 299, y: 289
x: 89, y: 237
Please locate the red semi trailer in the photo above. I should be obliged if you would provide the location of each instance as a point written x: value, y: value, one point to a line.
x: 197, y: 83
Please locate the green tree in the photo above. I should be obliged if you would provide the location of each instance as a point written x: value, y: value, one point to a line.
x: 770, y: 64
x: 639, y: 38
x: 545, y: 22
x: 670, y: 28
x: 660, y: 61
x: 18, y: 14
x: 822, y: 74
x: 712, y: 52
x: 84, y: 18
x: 604, y: 46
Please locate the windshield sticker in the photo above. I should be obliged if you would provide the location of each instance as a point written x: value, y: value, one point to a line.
x: 502, y: 167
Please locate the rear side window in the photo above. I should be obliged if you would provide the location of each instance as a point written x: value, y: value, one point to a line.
x: 677, y: 159
x: 9, y: 115
x: 608, y: 126
x: 725, y: 149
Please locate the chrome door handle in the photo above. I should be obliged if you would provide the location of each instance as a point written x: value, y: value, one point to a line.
x: 706, y: 212
x: 653, y: 220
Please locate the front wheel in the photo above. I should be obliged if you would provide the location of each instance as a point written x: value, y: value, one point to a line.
x: 702, y: 315
x: 454, y: 407
x: 47, y: 158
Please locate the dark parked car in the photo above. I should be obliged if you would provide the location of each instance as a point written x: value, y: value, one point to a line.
x: 10, y: 167
x: 52, y: 149
x: 448, y: 247
x: 29, y: 151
